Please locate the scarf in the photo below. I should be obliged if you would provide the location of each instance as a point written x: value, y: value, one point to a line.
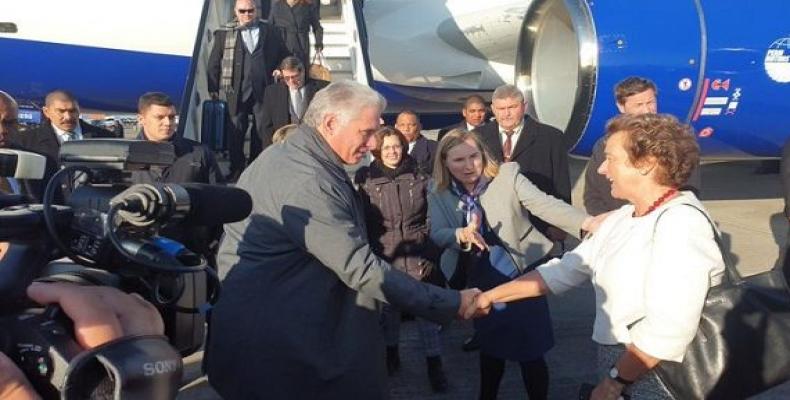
x: 470, y: 201
x: 228, y: 54
x: 407, y: 165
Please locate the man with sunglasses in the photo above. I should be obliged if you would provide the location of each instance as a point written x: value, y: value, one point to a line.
x: 286, y: 102
x: 245, y: 53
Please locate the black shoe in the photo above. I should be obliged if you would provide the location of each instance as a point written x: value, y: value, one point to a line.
x: 233, y: 176
x: 471, y: 344
x: 436, y: 374
x: 393, y: 360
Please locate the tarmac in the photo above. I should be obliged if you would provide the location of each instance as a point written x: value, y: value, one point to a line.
x: 746, y: 205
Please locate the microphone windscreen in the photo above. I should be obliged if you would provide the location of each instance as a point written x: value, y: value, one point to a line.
x: 216, y: 205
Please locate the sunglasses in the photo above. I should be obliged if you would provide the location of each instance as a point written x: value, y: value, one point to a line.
x: 246, y: 11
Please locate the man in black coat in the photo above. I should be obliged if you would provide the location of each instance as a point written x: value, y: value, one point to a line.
x: 421, y: 149
x: 194, y: 162
x: 474, y: 113
x: 62, y: 124
x: 539, y: 149
x: 285, y: 102
x: 244, y: 55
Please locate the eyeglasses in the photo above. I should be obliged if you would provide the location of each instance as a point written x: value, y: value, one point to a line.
x: 246, y: 11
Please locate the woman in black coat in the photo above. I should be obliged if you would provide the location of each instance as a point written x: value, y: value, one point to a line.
x: 394, y: 194
x: 292, y: 19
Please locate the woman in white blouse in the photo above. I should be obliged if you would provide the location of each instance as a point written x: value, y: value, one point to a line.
x: 651, y: 262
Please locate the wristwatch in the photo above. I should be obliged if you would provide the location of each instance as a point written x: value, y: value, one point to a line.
x: 614, y: 373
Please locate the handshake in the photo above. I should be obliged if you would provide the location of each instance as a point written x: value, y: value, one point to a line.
x: 474, y: 304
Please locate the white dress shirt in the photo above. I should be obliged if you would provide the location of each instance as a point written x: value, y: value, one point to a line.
x: 292, y: 95
x: 653, y: 277
x: 250, y: 37
x: 63, y: 136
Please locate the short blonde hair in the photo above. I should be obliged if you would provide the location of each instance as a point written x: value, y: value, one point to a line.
x: 455, y: 137
x: 282, y: 133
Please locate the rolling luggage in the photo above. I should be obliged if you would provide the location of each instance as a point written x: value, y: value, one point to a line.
x: 214, y: 122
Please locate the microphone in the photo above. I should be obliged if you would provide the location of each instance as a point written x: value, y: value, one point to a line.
x: 217, y: 205
x: 194, y: 203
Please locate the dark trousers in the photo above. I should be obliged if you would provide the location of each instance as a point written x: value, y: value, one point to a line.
x: 238, y: 132
x: 535, y: 375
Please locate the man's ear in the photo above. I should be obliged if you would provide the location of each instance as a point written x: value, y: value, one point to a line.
x: 620, y: 108
x: 329, y: 123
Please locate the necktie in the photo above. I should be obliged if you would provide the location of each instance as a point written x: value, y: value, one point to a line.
x: 69, y: 136
x: 507, y: 147
x: 298, y: 103
x: 249, y: 40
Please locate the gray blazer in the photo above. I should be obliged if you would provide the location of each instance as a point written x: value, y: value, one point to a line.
x: 298, y: 316
x: 508, y: 202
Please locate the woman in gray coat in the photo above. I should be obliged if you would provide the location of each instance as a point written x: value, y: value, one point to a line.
x: 479, y: 214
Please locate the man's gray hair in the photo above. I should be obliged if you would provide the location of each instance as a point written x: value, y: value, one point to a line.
x: 507, y: 92
x: 344, y: 99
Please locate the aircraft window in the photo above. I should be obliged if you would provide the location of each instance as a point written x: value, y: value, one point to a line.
x: 8, y: 27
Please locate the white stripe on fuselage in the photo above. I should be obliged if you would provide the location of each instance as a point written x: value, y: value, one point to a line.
x: 150, y: 26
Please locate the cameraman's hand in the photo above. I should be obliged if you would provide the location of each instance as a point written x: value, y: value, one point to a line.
x: 13, y: 384
x: 100, y: 313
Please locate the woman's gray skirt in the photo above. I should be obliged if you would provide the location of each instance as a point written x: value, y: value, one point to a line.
x: 648, y: 387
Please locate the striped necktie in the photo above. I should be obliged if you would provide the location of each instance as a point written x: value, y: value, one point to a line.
x: 507, y: 147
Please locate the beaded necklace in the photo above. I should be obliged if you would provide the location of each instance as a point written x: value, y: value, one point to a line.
x: 661, y: 200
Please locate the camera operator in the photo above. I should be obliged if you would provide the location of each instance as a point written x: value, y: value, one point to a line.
x: 100, y: 314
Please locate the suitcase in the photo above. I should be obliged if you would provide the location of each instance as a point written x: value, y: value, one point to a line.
x: 214, y: 122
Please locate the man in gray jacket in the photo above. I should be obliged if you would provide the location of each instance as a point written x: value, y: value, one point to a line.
x: 298, y: 317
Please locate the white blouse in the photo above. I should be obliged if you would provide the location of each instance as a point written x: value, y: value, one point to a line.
x: 652, y: 275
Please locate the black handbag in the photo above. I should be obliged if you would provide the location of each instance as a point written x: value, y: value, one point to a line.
x: 742, y: 346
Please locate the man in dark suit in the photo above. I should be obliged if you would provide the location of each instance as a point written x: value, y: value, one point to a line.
x: 286, y: 101
x: 421, y: 149
x: 474, y: 113
x: 539, y: 149
x: 62, y: 124
x: 245, y: 53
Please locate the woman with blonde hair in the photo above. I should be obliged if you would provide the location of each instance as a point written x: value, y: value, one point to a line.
x: 651, y: 262
x: 479, y: 214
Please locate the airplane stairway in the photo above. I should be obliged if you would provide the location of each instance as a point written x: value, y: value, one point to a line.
x: 345, y: 52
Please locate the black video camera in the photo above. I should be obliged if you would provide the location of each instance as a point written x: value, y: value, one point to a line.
x: 109, y: 229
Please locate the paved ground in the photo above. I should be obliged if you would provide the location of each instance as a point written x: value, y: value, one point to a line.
x: 746, y: 205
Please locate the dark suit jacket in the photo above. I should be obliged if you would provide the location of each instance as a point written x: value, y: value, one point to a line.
x: 267, y: 56
x: 277, y: 103
x: 541, y: 155
x: 423, y: 152
x: 443, y: 131
x: 293, y: 25
x: 43, y: 140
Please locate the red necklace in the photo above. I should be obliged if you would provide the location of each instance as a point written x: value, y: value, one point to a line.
x: 661, y: 200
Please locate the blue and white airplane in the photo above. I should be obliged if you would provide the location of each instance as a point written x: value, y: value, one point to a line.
x: 722, y: 66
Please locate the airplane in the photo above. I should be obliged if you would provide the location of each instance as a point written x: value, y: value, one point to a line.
x: 728, y: 78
